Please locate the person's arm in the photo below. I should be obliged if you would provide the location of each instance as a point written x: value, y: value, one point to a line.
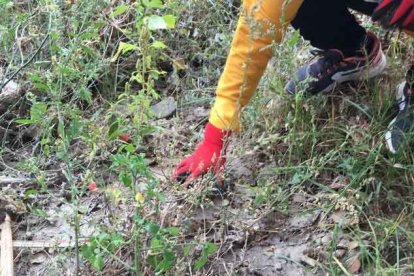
x: 261, y: 23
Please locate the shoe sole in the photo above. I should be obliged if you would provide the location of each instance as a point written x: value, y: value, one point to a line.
x: 365, y: 72
x: 388, y: 138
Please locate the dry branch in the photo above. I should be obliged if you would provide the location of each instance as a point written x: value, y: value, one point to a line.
x: 26, y: 64
x: 6, y: 261
x: 7, y: 180
x: 47, y: 244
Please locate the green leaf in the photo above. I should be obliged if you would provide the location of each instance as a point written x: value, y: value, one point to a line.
x: 41, y: 86
x: 152, y: 228
x: 88, y: 36
x: 158, y: 45
x: 112, y: 132
x: 169, y: 20
x: 130, y: 148
x: 88, y: 51
x: 169, y: 255
x: 38, y: 110
x: 153, y: 260
x: 154, y: 4
x: 167, y: 262
x: 123, y: 48
x: 116, y: 240
x: 126, y: 179
x: 155, y: 244
x: 31, y: 192
x: 187, y: 249
x: 85, y: 94
x: 156, y: 22
x: 93, y: 255
x: 295, y: 38
x: 200, y: 263
x: 24, y: 121
x: 61, y: 128
x: 173, y: 231
x: 98, y: 262
x: 119, y: 10
x: 210, y: 248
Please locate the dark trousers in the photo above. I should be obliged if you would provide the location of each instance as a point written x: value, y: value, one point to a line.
x: 328, y: 24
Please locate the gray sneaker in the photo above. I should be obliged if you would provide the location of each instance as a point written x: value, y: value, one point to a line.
x: 330, y: 68
x: 401, y: 128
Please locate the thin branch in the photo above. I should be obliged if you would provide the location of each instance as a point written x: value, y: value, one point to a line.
x: 26, y: 64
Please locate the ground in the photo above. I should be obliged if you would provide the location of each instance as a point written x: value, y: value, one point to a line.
x: 91, y: 130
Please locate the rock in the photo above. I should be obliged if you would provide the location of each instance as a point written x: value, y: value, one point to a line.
x: 298, y: 198
x: 278, y: 266
x: 9, y: 95
x: 165, y: 108
x: 344, y: 218
x: 10, y: 88
x: 354, y: 265
x: 352, y: 245
x: 343, y: 244
x: 38, y: 258
x: 304, y: 220
x: 339, y: 182
x: 326, y: 239
x: 225, y: 203
x: 309, y: 261
x: 339, y: 253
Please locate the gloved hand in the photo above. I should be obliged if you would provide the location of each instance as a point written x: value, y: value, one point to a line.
x: 209, y: 155
x: 395, y: 13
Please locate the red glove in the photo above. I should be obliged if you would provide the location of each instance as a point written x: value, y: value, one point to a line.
x: 395, y: 13
x: 209, y: 154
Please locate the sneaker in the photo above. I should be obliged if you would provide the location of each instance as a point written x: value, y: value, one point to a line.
x: 331, y: 68
x: 402, y: 126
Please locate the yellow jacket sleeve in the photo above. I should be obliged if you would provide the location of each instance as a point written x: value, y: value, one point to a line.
x: 261, y: 23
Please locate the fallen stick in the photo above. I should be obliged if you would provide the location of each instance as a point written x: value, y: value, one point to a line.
x: 26, y: 64
x: 46, y: 244
x: 6, y: 247
x: 6, y: 180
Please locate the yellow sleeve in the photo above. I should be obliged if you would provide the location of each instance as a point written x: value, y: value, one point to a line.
x: 261, y: 23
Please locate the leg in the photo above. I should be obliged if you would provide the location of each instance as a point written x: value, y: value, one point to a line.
x: 348, y: 52
x: 328, y: 24
x: 361, y: 6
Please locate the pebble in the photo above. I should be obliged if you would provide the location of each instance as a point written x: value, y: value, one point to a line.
x: 326, y: 239
x: 339, y: 253
x: 278, y: 266
x: 165, y: 108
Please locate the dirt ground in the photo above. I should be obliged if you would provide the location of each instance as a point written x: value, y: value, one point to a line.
x: 288, y: 237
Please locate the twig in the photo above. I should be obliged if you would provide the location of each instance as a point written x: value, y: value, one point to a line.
x: 47, y: 244
x: 5, y: 180
x: 341, y: 266
x: 6, y: 261
x: 26, y: 64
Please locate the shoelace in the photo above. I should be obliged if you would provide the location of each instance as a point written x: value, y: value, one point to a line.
x: 329, y: 60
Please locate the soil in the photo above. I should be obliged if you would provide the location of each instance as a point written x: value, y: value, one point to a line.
x: 253, y: 241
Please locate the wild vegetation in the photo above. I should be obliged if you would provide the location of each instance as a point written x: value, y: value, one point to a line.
x: 86, y: 158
